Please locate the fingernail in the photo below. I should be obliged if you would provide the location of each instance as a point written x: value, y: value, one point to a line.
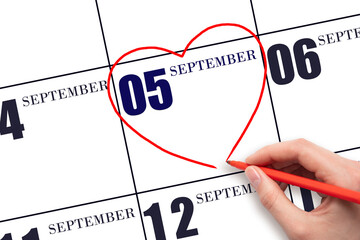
x: 253, y: 177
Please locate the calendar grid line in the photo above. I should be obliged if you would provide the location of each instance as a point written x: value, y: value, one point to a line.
x: 269, y: 91
x: 189, y: 49
x: 121, y: 123
x: 310, y: 24
x: 347, y: 150
x: 160, y: 55
x: 150, y: 57
x: 140, y: 192
x: 52, y: 77
x: 267, y: 80
x: 124, y: 62
x: 107, y: 191
x: 273, y: 109
x: 304, y: 198
x: 66, y: 208
x: 190, y: 182
x: 122, y: 196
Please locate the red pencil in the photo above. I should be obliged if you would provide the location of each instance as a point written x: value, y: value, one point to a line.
x: 320, y: 187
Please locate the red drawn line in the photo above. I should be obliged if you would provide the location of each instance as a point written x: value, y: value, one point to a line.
x: 181, y: 56
x: 259, y: 100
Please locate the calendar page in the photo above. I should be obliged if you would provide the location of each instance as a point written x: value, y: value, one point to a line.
x: 117, y: 117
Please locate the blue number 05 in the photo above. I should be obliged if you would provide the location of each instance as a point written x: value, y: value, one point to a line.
x: 158, y: 102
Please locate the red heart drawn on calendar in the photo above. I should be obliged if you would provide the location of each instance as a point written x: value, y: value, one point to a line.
x: 181, y: 69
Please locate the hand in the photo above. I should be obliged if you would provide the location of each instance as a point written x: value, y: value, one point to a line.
x: 334, y: 218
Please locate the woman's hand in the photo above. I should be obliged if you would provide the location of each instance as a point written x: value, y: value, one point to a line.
x: 334, y: 218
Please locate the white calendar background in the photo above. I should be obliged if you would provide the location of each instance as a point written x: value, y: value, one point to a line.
x: 77, y: 172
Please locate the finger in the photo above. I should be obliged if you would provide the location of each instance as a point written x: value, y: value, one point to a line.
x: 289, y: 169
x: 310, y: 156
x: 273, y: 199
x: 321, y: 195
x: 301, y: 171
x: 281, y: 165
x: 283, y: 186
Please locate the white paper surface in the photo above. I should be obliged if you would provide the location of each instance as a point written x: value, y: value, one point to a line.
x: 76, y: 172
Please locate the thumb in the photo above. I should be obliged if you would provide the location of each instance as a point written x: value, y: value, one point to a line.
x: 274, y: 199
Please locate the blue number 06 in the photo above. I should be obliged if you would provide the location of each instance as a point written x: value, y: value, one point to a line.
x: 158, y: 102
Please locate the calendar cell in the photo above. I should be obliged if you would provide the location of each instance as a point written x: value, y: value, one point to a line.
x: 112, y: 219
x: 281, y: 14
x: 313, y: 108
x: 208, y: 219
x: 164, y: 18
x: 71, y: 169
x: 66, y: 143
x: 204, y: 129
x: 60, y: 38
